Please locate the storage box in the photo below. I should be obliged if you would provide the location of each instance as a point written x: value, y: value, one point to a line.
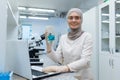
x: 6, y: 75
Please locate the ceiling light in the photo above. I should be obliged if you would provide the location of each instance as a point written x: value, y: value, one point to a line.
x: 41, y: 10
x: 42, y: 18
x: 23, y: 17
x: 21, y: 8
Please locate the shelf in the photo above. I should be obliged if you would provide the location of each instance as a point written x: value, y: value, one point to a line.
x: 117, y: 36
x: 105, y: 52
x: 104, y: 14
x: 105, y: 21
x: 105, y: 37
x: 117, y: 52
x: 117, y: 22
x: 11, y: 20
x: 117, y: 15
x: 118, y: 1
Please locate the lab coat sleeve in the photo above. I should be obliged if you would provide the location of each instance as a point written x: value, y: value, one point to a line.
x: 84, y: 61
x: 56, y: 56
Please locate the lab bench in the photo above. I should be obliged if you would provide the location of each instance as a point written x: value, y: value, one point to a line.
x: 48, y: 62
x: 63, y: 76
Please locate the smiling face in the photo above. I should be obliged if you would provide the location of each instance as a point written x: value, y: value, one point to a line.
x: 74, y: 20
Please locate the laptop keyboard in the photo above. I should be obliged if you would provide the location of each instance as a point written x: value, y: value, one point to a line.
x: 37, y: 73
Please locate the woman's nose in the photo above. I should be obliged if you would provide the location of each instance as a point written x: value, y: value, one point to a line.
x: 73, y: 19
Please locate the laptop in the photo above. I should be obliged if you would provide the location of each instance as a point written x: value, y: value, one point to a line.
x: 38, y: 74
x: 18, y: 61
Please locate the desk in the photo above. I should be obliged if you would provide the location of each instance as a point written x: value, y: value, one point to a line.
x: 47, y: 62
x: 64, y: 76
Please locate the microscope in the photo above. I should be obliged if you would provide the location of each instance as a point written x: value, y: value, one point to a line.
x: 35, y: 50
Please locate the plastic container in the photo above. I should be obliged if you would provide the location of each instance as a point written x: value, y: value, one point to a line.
x: 6, y: 75
x: 51, y: 34
x: 51, y: 37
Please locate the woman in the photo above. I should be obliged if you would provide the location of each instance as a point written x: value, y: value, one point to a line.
x: 74, y: 50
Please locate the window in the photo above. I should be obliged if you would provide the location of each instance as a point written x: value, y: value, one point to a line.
x: 26, y: 31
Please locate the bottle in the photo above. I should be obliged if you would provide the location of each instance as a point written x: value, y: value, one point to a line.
x: 51, y: 35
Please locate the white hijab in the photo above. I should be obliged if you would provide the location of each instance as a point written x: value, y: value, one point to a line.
x: 75, y: 33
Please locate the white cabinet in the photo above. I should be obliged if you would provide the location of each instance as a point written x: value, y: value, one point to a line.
x: 8, y: 23
x: 92, y: 21
x: 109, y: 50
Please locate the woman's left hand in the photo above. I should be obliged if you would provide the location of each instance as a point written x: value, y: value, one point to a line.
x: 48, y: 45
x: 56, y: 69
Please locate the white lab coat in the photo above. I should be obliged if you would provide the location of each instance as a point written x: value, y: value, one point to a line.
x: 76, y: 54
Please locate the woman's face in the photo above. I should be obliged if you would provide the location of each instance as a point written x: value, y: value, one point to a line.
x: 74, y: 20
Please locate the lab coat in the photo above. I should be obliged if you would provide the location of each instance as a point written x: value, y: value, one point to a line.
x: 76, y: 54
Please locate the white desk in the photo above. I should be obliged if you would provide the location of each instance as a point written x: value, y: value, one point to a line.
x: 48, y: 62
x: 64, y: 76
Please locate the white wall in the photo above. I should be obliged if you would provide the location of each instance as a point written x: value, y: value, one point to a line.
x: 38, y: 26
x: 3, y: 25
x: 90, y: 24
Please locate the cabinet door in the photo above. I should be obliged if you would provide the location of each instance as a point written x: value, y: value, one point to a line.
x: 117, y: 28
x: 116, y: 61
x: 116, y: 68
x: 105, y: 67
x: 104, y: 28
